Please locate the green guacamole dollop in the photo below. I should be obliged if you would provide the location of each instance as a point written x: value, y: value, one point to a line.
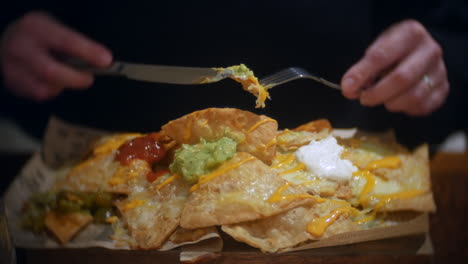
x: 241, y: 71
x: 193, y: 161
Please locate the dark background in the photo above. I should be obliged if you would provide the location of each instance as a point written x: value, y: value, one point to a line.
x: 325, y: 37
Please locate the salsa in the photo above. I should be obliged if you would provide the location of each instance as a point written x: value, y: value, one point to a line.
x: 147, y: 148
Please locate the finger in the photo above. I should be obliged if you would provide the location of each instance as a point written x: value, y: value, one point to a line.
x: 51, y: 71
x: 24, y: 84
x: 389, y: 48
x: 432, y: 103
x: 406, y: 75
x: 62, y: 39
x: 415, y: 97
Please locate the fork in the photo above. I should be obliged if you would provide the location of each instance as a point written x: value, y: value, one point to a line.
x: 291, y: 74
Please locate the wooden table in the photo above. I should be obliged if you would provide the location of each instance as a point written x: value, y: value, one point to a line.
x: 449, y: 233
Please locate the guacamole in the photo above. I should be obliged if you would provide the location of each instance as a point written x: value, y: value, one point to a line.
x: 193, y: 161
x: 98, y: 204
x: 241, y: 71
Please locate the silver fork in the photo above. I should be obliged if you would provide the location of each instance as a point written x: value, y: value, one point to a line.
x: 291, y: 74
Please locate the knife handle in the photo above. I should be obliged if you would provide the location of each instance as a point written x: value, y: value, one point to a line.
x: 114, y: 69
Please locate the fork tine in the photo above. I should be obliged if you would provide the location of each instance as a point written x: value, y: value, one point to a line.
x: 279, y: 77
x: 291, y: 74
x: 286, y: 75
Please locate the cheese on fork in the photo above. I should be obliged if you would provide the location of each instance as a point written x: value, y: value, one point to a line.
x: 323, y: 158
x: 243, y: 75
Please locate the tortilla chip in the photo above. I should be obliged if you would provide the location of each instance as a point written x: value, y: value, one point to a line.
x: 407, y: 187
x: 239, y: 193
x: 412, y: 175
x: 182, y: 235
x: 154, y: 213
x: 315, y: 126
x: 102, y: 172
x: 288, y: 229
x: 254, y: 133
x: 289, y: 140
x: 66, y: 226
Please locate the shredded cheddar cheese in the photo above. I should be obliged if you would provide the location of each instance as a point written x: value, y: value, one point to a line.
x: 278, y: 195
x: 218, y: 172
x: 287, y: 160
x: 167, y: 181
x: 113, y: 143
x: 114, y: 181
x: 133, y: 204
x: 243, y: 75
x: 301, y: 166
x: 259, y: 123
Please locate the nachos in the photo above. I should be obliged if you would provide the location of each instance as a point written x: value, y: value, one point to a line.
x: 222, y: 167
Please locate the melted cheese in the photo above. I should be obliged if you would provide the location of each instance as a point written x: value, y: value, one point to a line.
x: 252, y: 85
x: 113, y: 143
x: 116, y: 181
x: 259, y: 123
x: 301, y: 166
x: 287, y: 160
x: 370, y: 183
x: 133, y: 204
x: 387, y: 198
x: 271, y: 143
x: 220, y: 171
x: 167, y: 181
x: 278, y: 196
x: 126, y: 173
x: 318, y: 226
x: 366, y: 219
x: 391, y: 162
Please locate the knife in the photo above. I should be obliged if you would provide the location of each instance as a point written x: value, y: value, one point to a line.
x: 155, y: 73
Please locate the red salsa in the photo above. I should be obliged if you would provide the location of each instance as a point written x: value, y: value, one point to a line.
x: 147, y: 148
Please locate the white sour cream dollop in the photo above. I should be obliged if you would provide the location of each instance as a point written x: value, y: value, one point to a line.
x: 323, y: 158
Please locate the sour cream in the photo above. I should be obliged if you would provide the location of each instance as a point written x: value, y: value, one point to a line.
x: 323, y: 158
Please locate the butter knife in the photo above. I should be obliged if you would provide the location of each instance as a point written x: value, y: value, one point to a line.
x: 155, y: 73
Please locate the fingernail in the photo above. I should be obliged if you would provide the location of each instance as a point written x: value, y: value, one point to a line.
x: 105, y: 58
x: 348, y: 83
x: 349, y: 88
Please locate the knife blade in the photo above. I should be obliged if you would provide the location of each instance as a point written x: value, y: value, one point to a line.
x: 156, y: 73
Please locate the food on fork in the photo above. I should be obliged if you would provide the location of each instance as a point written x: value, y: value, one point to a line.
x: 222, y: 167
x: 242, y: 74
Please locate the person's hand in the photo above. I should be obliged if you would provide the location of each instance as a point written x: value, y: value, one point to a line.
x: 29, y: 49
x: 403, y: 70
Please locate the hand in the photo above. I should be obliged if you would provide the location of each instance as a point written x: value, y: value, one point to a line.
x: 28, y: 63
x: 403, y: 69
